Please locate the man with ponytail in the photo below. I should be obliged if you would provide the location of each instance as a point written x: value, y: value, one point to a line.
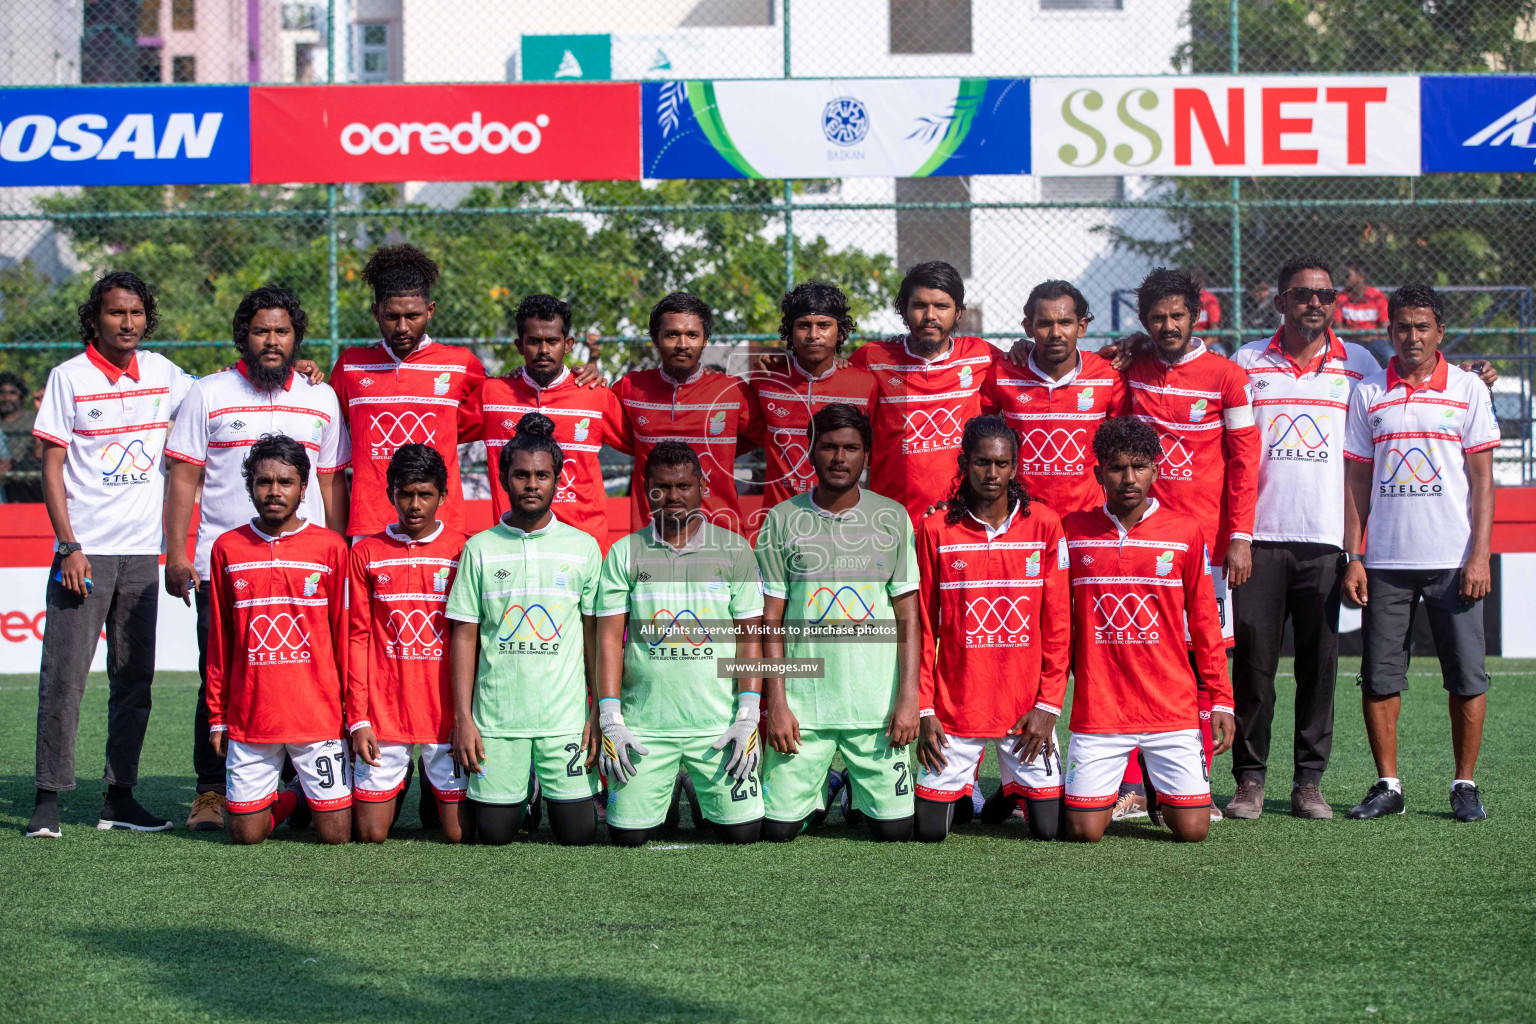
x: 996, y: 616
x: 523, y: 653
x: 405, y: 389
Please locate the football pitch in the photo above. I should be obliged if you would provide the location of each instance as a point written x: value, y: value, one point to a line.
x: 1416, y: 918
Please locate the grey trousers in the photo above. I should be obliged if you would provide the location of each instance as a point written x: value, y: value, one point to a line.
x: 125, y: 598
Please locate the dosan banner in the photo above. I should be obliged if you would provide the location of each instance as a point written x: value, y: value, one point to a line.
x: 1296, y: 125
x: 133, y: 135
x: 585, y: 131
x: 1478, y: 123
x: 836, y: 128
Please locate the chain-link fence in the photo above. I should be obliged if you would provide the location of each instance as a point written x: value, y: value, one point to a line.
x: 612, y: 248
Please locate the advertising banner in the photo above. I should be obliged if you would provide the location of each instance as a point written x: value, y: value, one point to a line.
x: 519, y: 132
x: 22, y: 612
x: 133, y: 135
x: 1478, y: 123
x: 836, y: 128
x: 1201, y: 125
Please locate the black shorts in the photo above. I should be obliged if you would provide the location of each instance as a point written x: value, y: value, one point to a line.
x: 1387, y: 625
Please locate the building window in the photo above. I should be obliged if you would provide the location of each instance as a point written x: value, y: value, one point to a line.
x: 1092, y: 189
x: 298, y: 17
x: 183, y: 15
x: 1082, y: 5
x: 374, y: 63
x: 183, y: 69
x: 923, y: 235
x: 149, y: 64
x: 149, y: 18
x: 930, y: 26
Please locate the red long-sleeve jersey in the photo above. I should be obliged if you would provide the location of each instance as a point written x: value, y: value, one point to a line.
x: 1056, y: 421
x: 1202, y: 407
x: 585, y: 420
x: 996, y: 613
x: 712, y: 412
x: 1133, y: 591
x: 388, y: 402
x: 277, y: 654
x: 785, y: 405
x: 397, y: 637
x: 920, y: 415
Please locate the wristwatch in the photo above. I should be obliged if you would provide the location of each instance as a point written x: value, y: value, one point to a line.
x: 66, y: 548
x: 1350, y: 556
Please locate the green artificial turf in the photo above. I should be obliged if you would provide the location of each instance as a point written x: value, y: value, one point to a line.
x: 1417, y: 918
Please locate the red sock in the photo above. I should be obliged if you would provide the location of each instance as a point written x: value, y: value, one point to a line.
x: 1132, y: 770
x: 1203, y: 702
x: 285, y: 804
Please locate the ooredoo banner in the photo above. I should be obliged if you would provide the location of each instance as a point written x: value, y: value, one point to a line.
x: 514, y: 132
x: 134, y: 135
x: 836, y: 128
x: 1294, y: 125
x: 23, y: 615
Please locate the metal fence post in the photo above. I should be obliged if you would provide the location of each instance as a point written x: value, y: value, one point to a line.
x: 789, y: 186
x: 332, y: 299
x: 1235, y: 62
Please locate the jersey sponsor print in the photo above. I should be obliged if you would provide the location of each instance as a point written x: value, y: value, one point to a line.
x: 786, y: 402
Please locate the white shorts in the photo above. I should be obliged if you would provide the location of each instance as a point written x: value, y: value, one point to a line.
x: 1038, y: 780
x: 376, y: 785
x: 1175, y: 763
x: 253, y: 770
x: 1223, y: 606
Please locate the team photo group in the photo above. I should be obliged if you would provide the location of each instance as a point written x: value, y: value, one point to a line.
x: 951, y: 537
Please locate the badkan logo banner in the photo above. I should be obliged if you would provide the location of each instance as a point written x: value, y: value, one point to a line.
x: 1251, y: 125
x: 516, y: 132
x: 1482, y: 123
x: 836, y: 128
x: 135, y: 135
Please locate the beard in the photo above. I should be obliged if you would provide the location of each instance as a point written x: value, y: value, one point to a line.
x: 1311, y: 334
x: 544, y: 378
x: 923, y: 347
x: 268, y: 378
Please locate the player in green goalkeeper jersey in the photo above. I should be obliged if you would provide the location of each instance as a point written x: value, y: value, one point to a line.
x: 840, y: 587
x: 524, y: 652
x: 688, y: 594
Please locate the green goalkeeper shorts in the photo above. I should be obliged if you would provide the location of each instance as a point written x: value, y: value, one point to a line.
x: 642, y: 801
x: 559, y: 761
x: 795, y: 785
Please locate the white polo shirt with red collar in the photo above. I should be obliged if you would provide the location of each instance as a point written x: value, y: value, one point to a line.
x: 1300, y: 411
x: 224, y: 415
x: 1416, y: 440
x: 112, y: 426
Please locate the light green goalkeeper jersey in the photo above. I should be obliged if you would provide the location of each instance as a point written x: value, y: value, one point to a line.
x: 528, y: 592
x: 837, y: 574
x: 680, y: 604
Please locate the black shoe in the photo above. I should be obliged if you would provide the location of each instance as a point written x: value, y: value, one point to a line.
x: 533, y: 813
x: 302, y: 814
x: 1467, y: 803
x: 965, y: 811
x: 1380, y: 800
x: 45, y: 817
x: 426, y: 803
x: 1154, y: 809
x: 998, y: 808
x: 125, y: 813
x: 405, y: 788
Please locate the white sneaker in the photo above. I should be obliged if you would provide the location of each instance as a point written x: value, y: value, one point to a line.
x: 1130, y: 805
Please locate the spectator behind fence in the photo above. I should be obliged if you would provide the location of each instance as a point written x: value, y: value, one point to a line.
x: 1361, y: 313
x: 16, y: 418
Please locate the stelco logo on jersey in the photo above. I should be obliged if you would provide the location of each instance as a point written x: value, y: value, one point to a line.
x: 997, y: 621
x: 1201, y: 125
x: 677, y: 636
x: 125, y: 464
x: 509, y: 132
x: 1302, y: 437
x: 529, y: 630
x: 1413, y: 472
x: 415, y: 635
x: 1125, y: 619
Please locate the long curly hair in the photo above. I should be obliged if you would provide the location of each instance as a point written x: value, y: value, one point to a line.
x: 977, y: 430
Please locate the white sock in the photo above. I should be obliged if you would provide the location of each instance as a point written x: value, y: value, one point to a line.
x: 1462, y: 782
x: 1394, y: 784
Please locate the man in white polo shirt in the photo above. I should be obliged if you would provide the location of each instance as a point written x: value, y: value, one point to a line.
x: 1302, y: 379
x: 222, y: 417
x: 1419, y: 500
x: 102, y: 425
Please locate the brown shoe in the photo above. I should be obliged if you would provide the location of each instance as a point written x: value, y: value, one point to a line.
x: 207, y: 813
x: 1130, y: 805
x: 1307, y: 802
x: 1248, y: 802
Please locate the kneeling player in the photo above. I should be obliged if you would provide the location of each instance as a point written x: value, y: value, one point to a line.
x: 689, y: 591
x: 398, y: 689
x: 277, y: 654
x: 996, y: 613
x: 839, y: 571
x: 523, y: 653
x: 1139, y: 571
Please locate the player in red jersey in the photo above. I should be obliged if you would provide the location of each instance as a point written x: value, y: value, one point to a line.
x: 277, y: 654
x: 1055, y: 394
x: 814, y: 325
x: 996, y: 615
x: 1208, y: 318
x: 681, y: 400
x: 585, y: 417
x: 1140, y: 573
x: 930, y: 383
x: 1360, y: 313
x: 407, y: 388
x: 399, y: 693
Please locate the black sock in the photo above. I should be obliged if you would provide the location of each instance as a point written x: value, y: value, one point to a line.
x: 46, y: 798
x: 116, y: 793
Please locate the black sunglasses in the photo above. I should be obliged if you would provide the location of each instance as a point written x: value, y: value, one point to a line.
x: 1305, y: 295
